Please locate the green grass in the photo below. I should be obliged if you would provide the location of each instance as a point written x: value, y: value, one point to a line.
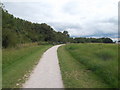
x: 18, y: 63
x: 89, y: 65
x: 0, y: 68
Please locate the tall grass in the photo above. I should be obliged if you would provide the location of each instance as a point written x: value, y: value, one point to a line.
x: 101, y: 59
x: 18, y: 63
x: 77, y: 75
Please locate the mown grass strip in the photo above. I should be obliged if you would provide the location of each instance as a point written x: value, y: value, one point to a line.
x: 18, y: 63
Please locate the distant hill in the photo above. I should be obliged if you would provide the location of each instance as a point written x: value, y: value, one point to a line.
x: 18, y: 31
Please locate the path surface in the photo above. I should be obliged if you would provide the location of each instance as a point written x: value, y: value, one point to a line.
x: 47, y: 73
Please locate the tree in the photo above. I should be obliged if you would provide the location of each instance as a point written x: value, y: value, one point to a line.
x: 25, y: 31
x: 9, y: 39
x: 107, y: 40
x: 66, y: 33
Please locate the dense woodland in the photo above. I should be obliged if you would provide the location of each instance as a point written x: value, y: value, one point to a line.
x: 17, y: 31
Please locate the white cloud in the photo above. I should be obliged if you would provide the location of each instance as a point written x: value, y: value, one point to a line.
x: 79, y: 17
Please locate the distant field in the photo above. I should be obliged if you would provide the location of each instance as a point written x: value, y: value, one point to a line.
x: 89, y: 65
x: 17, y: 64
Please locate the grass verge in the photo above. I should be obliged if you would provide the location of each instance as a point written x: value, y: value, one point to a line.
x: 18, y: 63
x: 89, y: 65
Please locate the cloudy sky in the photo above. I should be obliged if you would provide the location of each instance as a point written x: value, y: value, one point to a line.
x: 81, y: 18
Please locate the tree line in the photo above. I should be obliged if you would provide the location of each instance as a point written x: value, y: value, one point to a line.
x: 18, y: 31
x: 92, y: 40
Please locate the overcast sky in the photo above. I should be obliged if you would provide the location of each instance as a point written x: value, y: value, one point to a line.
x: 81, y: 18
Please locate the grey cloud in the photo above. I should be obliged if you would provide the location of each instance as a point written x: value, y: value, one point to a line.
x: 73, y: 16
x: 29, y: 10
x: 90, y: 29
x: 71, y: 7
x: 60, y: 26
x: 112, y: 20
x: 112, y: 35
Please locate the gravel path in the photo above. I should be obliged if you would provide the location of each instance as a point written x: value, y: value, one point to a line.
x: 47, y: 73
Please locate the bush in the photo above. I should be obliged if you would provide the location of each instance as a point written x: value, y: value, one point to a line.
x: 43, y: 43
x: 9, y: 39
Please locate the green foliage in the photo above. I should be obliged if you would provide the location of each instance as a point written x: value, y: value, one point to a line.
x: 107, y: 40
x: 92, y: 40
x: 105, y: 55
x: 76, y: 74
x: 9, y: 39
x: 101, y: 59
x: 17, y: 31
x: 43, y: 43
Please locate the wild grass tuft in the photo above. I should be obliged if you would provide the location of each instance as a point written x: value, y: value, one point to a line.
x: 101, y: 59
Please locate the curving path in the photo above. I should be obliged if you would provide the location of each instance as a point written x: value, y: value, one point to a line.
x: 47, y: 73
